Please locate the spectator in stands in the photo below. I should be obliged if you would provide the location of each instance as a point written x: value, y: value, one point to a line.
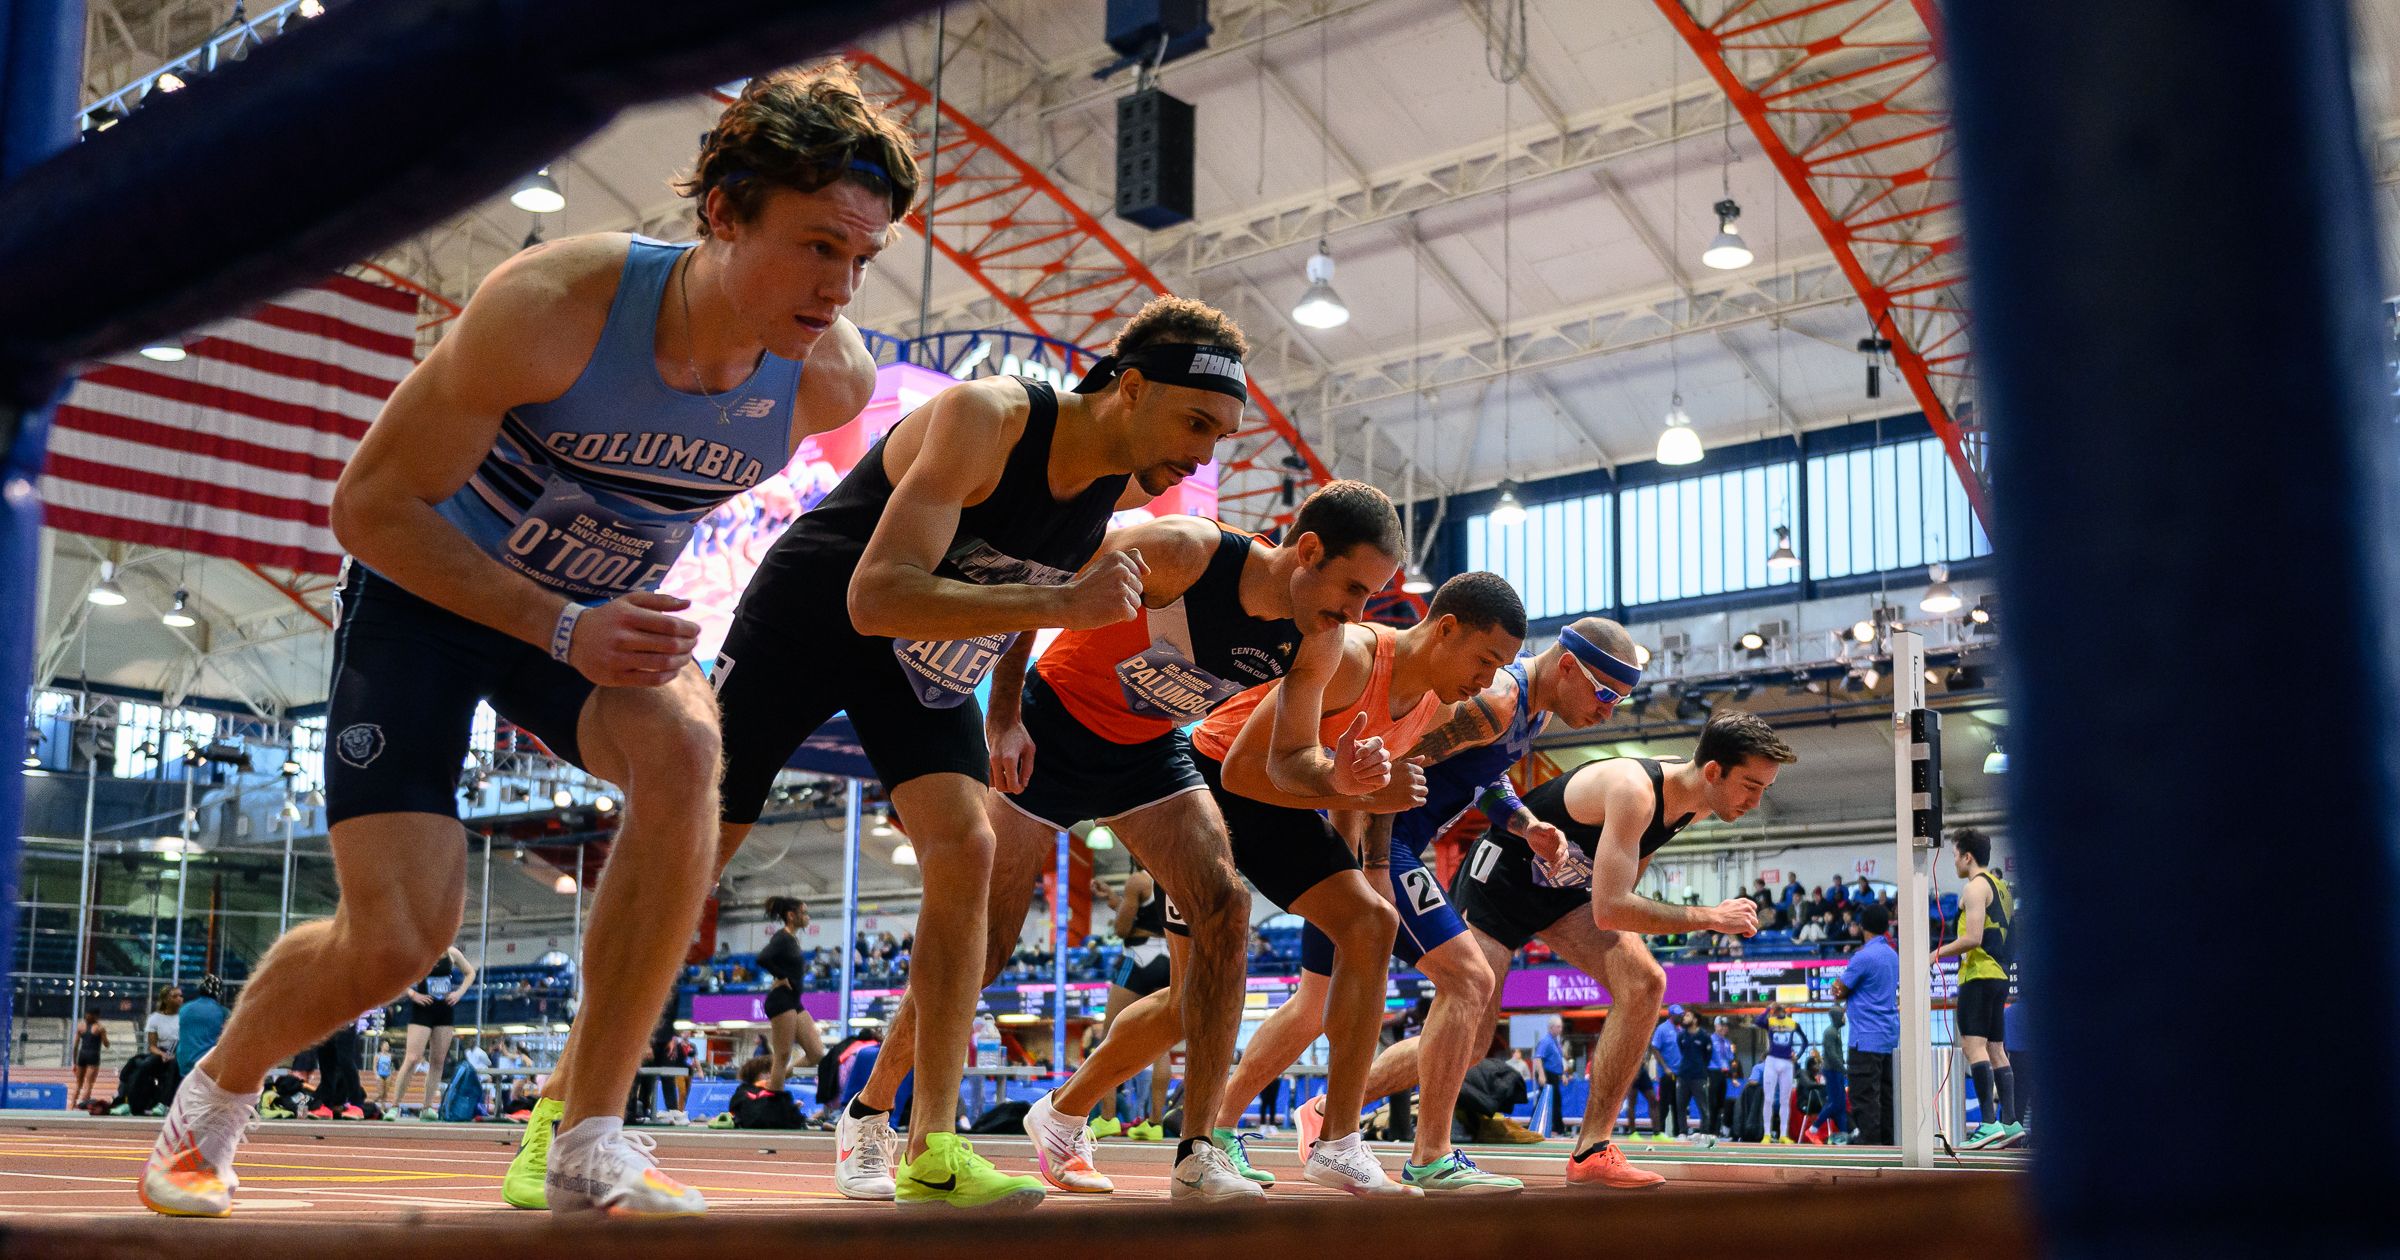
x: 160, y: 1033
x: 1764, y: 899
x: 1550, y: 1055
x: 1871, y: 985
x: 1837, y: 894
x: 762, y: 1102
x: 1665, y: 1120
x: 1721, y: 1060
x: 1837, y: 1079
x: 1863, y: 895
x: 1792, y: 892
x: 201, y: 1022
x: 1815, y: 929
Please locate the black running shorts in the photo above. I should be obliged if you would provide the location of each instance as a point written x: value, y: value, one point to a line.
x: 1142, y: 978
x: 780, y: 679
x: 406, y: 677
x: 1983, y: 1009
x: 1283, y: 852
x: 434, y: 1014
x: 1081, y: 776
x: 1495, y: 893
x: 780, y: 999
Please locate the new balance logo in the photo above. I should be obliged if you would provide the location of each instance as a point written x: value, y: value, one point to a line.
x: 752, y: 409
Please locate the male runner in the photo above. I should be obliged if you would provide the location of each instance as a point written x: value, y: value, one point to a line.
x: 1580, y: 678
x: 1091, y: 732
x: 964, y: 528
x: 1360, y: 693
x: 1614, y: 813
x: 510, y: 516
x: 1981, y: 944
x: 1784, y: 1043
x: 1139, y: 921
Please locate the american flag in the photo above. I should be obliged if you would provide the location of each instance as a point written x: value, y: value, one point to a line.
x: 233, y: 451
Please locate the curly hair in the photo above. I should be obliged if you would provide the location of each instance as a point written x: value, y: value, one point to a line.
x: 1167, y: 318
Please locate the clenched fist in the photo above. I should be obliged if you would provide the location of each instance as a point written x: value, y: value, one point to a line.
x: 631, y: 641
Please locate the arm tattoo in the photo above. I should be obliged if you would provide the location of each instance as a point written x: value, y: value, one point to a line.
x: 1470, y: 724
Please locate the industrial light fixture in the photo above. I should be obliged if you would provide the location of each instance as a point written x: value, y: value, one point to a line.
x: 1981, y: 615
x: 1753, y: 641
x: 33, y: 748
x: 290, y: 811
x: 538, y: 194
x: 883, y: 824
x: 1939, y: 598
x: 1641, y: 655
x: 291, y: 768
x: 169, y: 82
x: 1783, y: 556
x: 1743, y: 688
x: 1319, y: 306
x: 1872, y: 677
x: 904, y: 854
x: 1417, y: 583
x: 177, y: 616
x: 107, y: 593
x: 1995, y: 761
x: 1508, y: 513
x: 513, y: 794
x: 564, y: 885
x: 1863, y: 631
x: 604, y: 804
x: 1679, y: 443
x: 1727, y: 252
x: 562, y: 798
x: 1100, y: 838
x: 312, y: 8
x: 164, y: 351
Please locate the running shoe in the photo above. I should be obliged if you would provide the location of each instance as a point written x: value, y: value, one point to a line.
x: 1454, y: 1173
x: 190, y: 1169
x: 1604, y: 1165
x: 320, y: 1113
x: 1346, y: 1164
x: 1237, y: 1149
x: 1308, y: 1120
x: 1146, y: 1131
x: 524, y: 1186
x: 1985, y: 1134
x: 862, y: 1156
x: 2014, y: 1137
x: 352, y: 1111
x: 1207, y: 1176
x: 1065, y: 1149
x: 1106, y: 1127
x: 614, y: 1172
x: 950, y: 1174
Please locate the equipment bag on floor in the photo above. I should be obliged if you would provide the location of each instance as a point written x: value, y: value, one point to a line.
x: 463, y: 1100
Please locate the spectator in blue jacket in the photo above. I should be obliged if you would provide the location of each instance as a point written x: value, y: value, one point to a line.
x: 1721, y: 1061
x: 1693, y: 1047
x: 1666, y: 1119
x: 1871, y: 985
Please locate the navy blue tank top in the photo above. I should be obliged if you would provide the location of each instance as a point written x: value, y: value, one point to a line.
x: 1549, y: 803
x: 595, y: 493
x: 1019, y: 534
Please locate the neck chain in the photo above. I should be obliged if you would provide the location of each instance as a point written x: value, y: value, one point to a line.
x: 683, y: 289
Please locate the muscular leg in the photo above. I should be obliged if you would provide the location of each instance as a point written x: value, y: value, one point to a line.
x: 436, y: 1054
x: 395, y: 1087
x: 1139, y: 1035
x: 954, y: 844
x: 1276, y: 1045
x: 1182, y: 841
x: 780, y: 1032
x: 1620, y: 962
x: 403, y: 880
x: 1361, y: 923
x: 1021, y: 849
x: 1119, y: 997
x: 1436, y: 1061
x: 659, y: 745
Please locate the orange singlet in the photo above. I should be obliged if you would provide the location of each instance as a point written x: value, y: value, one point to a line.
x: 1214, y: 736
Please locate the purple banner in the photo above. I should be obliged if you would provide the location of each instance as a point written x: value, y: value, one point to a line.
x: 716, y: 1008
x: 1534, y: 988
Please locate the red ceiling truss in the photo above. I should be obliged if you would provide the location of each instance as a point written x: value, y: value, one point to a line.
x: 1054, y: 267
x: 1845, y: 98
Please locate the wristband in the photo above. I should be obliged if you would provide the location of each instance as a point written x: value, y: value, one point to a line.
x: 562, y: 636
x: 1499, y: 803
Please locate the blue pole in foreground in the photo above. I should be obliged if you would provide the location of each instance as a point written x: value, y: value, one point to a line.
x: 1058, y: 964
x: 2179, y: 341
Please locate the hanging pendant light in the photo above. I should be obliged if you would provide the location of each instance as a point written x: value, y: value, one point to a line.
x: 538, y: 193
x: 1939, y: 598
x: 1417, y: 583
x: 164, y: 351
x: 107, y: 594
x: 1320, y: 306
x: 564, y: 885
x: 1679, y: 444
x: 1727, y: 252
x: 1508, y: 513
x: 905, y: 854
x: 1783, y: 557
x: 177, y: 616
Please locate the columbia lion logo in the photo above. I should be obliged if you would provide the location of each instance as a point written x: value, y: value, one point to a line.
x: 752, y: 409
x: 1212, y: 363
x: 360, y: 745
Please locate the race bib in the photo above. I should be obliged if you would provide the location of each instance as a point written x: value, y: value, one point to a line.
x: 437, y: 986
x: 1574, y: 869
x: 943, y: 673
x: 571, y: 544
x: 1162, y: 682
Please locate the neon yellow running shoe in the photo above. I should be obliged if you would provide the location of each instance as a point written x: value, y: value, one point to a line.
x: 951, y: 1174
x: 527, y: 1173
x: 1106, y: 1127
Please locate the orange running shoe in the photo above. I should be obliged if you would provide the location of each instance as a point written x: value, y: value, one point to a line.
x: 1605, y: 1165
x: 190, y: 1170
x: 1308, y: 1120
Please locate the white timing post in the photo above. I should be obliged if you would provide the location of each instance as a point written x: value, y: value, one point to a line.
x: 1917, y: 801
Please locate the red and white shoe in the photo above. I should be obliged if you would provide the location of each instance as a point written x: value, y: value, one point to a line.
x: 1308, y: 1120
x: 1605, y: 1165
x: 612, y: 1171
x: 190, y: 1170
x: 1065, y: 1147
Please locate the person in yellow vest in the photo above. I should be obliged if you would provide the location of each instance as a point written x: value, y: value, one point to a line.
x: 1982, y: 945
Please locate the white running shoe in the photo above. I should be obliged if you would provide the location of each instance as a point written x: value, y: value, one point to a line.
x: 1346, y: 1164
x: 190, y: 1170
x: 1207, y: 1176
x: 612, y: 1171
x: 1065, y: 1148
x: 862, y: 1156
